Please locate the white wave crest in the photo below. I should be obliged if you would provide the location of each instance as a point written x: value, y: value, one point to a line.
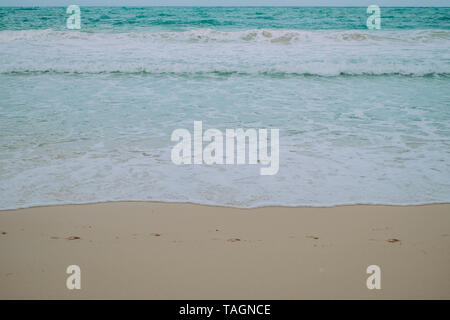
x: 256, y: 35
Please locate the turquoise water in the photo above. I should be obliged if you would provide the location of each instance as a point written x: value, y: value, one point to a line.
x: 86, y: 115
x: 123, y: 19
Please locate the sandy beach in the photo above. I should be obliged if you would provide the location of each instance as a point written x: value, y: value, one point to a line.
x: 145, y: 250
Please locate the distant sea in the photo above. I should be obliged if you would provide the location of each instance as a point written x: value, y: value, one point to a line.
x: 86, y: 115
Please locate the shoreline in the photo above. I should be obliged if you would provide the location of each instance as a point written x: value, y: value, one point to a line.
x: 155, y: 250
x: 421, y: 204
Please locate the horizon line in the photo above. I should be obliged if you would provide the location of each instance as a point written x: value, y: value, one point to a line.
x: 207, y: 6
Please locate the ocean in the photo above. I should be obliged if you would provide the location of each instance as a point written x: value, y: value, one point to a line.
x: 87, y: 115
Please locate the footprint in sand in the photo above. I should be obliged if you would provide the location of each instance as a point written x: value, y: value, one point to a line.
x: 73, y: 238
x: 68, y: 238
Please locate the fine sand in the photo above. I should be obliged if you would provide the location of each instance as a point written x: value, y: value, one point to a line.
x: 155, y: 250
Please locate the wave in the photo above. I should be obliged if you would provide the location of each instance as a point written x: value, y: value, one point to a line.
x: 254, y: 35
x: 205, y: 52
x: 221, y: 73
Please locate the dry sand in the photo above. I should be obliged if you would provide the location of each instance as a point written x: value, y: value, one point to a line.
x: 149, y: 250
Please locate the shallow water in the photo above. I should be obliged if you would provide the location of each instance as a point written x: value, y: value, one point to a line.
x: 87, y: 115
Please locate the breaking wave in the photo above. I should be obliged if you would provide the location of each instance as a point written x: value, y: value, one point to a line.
x: 255, y: 35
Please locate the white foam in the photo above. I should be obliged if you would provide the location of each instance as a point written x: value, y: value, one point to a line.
x: 286, y: 52
x: 92, y: 135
